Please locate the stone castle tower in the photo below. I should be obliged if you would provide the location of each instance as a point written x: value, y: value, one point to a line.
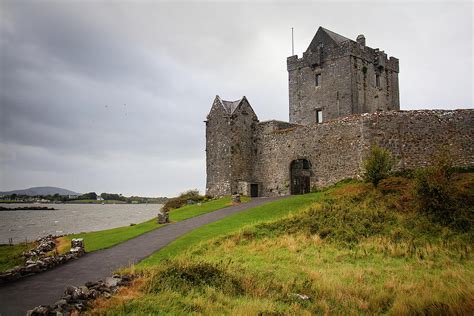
x: 337, y: 77
x: 230, y: 129
x: 326, y: 139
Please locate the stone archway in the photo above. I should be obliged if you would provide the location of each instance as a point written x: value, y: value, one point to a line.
x: 300, y: 175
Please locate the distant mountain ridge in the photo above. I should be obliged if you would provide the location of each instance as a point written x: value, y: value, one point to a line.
x: 41, y: 191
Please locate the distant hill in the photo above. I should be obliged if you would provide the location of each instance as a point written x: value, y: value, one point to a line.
x: 41, y: 191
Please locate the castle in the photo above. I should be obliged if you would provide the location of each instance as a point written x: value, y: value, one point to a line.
x: 343, y: 98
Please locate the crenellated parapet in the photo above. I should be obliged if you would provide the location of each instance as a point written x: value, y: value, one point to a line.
x: 347, y: 48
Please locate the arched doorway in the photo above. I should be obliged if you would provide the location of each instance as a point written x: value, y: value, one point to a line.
x: 300, y: 175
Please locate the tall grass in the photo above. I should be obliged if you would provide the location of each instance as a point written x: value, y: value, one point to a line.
x: 11, y: 255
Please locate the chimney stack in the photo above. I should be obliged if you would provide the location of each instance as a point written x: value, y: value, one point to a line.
x: 361, y: 40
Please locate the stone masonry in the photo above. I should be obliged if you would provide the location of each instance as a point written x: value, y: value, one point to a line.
x: 272, y: 158
x: 340, y: 77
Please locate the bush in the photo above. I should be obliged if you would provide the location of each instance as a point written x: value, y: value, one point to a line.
x: 184, y: 276
x: 377, y: 165
x: 192, y: 196
x: 434, y: 193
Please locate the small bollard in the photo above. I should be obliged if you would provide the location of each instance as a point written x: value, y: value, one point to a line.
x: 77, y: 245
x: 163, y: 217
x: 236, y: 198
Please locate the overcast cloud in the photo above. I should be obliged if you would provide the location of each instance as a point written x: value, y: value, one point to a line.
x: 111, y: 96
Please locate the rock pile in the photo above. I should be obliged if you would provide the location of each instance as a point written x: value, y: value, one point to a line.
x: 45, y: 245
x: 77, y: 299
x: 37, y: 260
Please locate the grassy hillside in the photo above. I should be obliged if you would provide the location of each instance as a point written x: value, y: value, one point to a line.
x: 349, y: 250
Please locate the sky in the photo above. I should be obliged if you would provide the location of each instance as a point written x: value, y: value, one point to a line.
x: 110, y: 96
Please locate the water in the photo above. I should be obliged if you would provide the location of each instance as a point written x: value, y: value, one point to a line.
x: 70, y: 218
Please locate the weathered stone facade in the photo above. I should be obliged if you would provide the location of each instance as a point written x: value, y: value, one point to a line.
x: 278, y: 158
x: 340, y: 77
x: 336, y: 149
x: 230, y: 149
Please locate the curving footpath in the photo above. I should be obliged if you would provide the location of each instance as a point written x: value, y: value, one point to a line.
x: 46, y: 288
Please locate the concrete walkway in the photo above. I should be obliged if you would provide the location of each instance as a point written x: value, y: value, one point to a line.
x: 46, y: 288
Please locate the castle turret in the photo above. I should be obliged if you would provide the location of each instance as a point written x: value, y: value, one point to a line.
x: 230, y: 129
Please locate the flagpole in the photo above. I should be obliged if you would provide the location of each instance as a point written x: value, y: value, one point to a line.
x: 292, y: 44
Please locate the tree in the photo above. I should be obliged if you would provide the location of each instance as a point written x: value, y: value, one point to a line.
x: 378, y: 165
x: 112, y: 196
x: 88, y: 196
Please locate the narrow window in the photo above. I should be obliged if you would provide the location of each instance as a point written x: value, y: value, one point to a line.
x: 377, y: 80
x: 319, y: 116
x: 318, y: 80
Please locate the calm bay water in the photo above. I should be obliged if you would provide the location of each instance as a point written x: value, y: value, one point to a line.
x: 70, y: 218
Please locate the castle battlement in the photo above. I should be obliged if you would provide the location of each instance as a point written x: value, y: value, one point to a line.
x: 346, y: 48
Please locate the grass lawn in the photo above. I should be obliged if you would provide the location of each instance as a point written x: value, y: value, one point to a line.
x: 233, y: 223
x: 349, y: 250
x: 107, y: 238
x: 10, y: 256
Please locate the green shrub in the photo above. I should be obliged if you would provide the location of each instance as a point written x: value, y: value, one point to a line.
x: 437, y: 197
x: 184, y: 276
x: 184, y: 198
x: 377, y: 165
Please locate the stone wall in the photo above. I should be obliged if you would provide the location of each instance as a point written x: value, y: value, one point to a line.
x: 333, y: 149
x: 336, y: 149
x: 415, y: 136
x: 43, y: 257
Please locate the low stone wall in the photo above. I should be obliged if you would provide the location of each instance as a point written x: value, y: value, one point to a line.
x: 77, y: 299
x: 37, y: 260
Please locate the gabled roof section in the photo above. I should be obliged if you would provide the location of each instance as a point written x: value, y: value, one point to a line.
x: 326, y: 37
x: 334, y: 36
x: 230, y: 106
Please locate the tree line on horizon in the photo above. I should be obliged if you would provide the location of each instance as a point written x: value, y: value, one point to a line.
x: 86, y: 196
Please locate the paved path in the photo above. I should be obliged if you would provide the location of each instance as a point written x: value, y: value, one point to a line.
x: 46, y: 288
